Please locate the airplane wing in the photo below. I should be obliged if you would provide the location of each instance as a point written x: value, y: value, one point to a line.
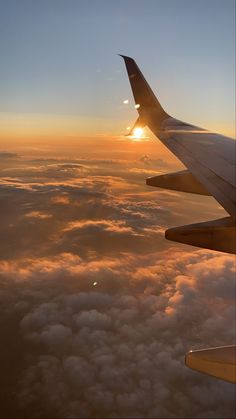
x: 219, y: 362
x: 210, y: 161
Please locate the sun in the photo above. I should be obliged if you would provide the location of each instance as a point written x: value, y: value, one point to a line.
x: 138, y: 133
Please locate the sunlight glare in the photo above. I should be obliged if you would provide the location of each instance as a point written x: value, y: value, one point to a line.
x: 138, y: 132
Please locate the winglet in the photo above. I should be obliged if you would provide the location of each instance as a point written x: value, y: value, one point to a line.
x: 144, y: 97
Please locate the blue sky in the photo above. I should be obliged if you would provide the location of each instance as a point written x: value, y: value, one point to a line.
x: 60, y: 58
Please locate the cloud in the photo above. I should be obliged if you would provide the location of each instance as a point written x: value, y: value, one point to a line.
x: 38, y: 214
x: 5, y: 155
x: 114, y: 349
x: 143, y: 171
x: 108, y: 236
x: 107, y: 219
x: 61, y: 199
x: 119, y: 351
x: 146, y: 159
x: 113, y: 227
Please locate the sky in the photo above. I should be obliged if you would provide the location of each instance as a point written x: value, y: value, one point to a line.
x: 60, y: 72
x: 97, y: 309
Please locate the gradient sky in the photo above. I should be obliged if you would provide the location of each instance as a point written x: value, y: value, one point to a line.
x: 98, y: 309
x: 60, y: 73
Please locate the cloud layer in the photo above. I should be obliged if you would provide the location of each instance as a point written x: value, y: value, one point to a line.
x: 107, y: 338
x: 98, y: 310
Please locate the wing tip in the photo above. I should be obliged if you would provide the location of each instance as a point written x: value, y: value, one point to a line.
x: 125, y: 57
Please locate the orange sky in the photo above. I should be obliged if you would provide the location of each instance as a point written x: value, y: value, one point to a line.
x: 21, y: 129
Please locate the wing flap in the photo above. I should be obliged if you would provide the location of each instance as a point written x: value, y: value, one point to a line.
x: 220, y: 362
x: 216, y: 235
x: 182, y: 181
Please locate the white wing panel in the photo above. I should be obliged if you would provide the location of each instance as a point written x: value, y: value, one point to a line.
x: 212, y: 171
x: 216, y: 152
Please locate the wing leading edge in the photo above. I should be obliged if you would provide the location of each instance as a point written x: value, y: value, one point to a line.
x: 211, y: 162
